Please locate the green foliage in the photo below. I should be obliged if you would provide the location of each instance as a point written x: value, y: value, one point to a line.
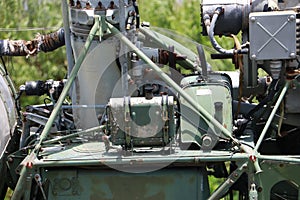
x: 183, y: 17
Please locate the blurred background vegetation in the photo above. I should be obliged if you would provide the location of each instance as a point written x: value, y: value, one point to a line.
x: 23, y: 19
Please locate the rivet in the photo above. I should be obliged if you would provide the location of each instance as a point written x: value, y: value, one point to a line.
x: 252, y: 19
x: 10, y: 160
x: 291, y: 18
x: 292, y: 55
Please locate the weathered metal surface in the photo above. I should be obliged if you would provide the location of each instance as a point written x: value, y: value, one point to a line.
x: 45, y: 43
x: 132, y: 128
x: 8, y: 117
x: 174, y: 183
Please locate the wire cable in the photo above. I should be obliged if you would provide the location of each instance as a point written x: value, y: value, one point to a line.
x: 24, y: 29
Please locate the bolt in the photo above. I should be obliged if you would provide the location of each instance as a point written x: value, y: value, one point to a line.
x: 291, y: 18
x: 245, y: 167
x: 292, y: 55
x: 253, y: 56
x: 10, y: 159
x: 259, y: 189
x: 36, y: 176
x: 281, y: 165
x: 207, y: 141
x: 252, y: 19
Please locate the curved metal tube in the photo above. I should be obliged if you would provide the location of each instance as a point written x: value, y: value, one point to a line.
x: 210, y: 30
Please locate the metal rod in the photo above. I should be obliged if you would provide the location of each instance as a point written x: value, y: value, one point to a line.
x: 170, y: 82
x: 84, y: 106
x: 164, y: 45
x: 19, y: 191
x: 289, y: 159
x: 86, y: 161
x: 202, y: 61
x: 264, y: 131
x: 69, y: 83
x: 98, y: 128
x: 224, y: 187
x: 66, y: 23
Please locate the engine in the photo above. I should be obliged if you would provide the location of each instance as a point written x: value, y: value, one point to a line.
x: 142, y: 116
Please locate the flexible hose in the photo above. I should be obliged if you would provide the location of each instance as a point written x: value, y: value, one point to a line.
x: 213, y: 41
x: 210, y: 30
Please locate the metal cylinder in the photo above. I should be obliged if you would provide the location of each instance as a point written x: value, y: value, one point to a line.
x: 275, y: 66
x: 234, y: 16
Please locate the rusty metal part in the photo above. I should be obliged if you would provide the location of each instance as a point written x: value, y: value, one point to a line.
x: 51, y: 41
x: 291, y: 74
x: 45, y: 43
x: 239, y: 64
x: 16, y: 48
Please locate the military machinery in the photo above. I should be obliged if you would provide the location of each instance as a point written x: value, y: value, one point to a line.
x: 137, y: 128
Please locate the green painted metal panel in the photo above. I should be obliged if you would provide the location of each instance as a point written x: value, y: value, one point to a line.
x: 207, y: 94
x: 166, y: 184
x: 279, y: 180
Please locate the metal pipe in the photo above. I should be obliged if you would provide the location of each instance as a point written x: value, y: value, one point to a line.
x: 203, y: 62
x: 285, y: 159
x: 170, y: 82
x: 94, y: 129
x: 19, y: 191
x: 264, y: 131
x: 45, y: 43
x: 70, y: 58
x: 99, y: 160
x: 224, y: 187
x: 210, y: 31
x: 164, y: 45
